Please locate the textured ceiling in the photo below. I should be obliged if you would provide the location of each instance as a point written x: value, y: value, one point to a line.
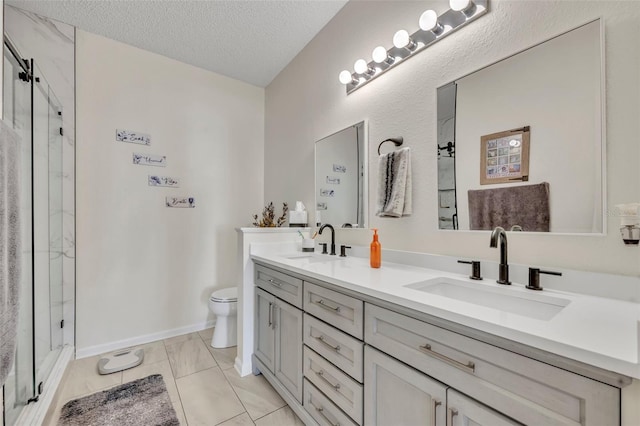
x: 250, y: 41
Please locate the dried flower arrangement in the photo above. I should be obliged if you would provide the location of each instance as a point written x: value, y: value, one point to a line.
x: 269, y: 217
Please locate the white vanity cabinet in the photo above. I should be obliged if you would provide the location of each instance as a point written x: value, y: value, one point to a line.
x: 278, y: 340
x: 352, y: 359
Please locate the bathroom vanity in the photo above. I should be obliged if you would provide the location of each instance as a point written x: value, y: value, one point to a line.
x: 345, y: 344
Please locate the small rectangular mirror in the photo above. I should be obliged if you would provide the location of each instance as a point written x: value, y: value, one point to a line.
x: 341, y: 177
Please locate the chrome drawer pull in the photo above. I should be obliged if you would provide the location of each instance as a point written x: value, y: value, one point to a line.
x: 276, y: 283
x: 320, y: 411
x: 469, y: 367
x: 321, y: 339
x: 322, y: 304
x: 451, y: 413
x: 321, y: 375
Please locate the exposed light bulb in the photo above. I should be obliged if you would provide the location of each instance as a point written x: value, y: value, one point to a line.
x: 345, y: 77
x: 402, y: 39
x: 429, y: 22
x: 361, y: 66
x: 459, y: 5
x: 467, y: 7
x: 380, y: 55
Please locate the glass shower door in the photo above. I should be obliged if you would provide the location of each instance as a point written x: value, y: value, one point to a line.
x: 47, y: 226
x: 20, y: 386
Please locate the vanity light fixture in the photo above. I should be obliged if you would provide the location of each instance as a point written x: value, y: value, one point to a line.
x: 432, y: 28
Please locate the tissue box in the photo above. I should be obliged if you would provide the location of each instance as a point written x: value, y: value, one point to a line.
x: 297, y: 219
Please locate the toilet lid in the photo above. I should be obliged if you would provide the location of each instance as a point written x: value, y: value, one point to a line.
x: 229, y: 294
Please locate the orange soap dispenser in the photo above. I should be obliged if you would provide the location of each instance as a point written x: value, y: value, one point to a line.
x: 376, y: 250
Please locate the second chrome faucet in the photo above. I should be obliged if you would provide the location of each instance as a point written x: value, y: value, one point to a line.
x: 500, y: 236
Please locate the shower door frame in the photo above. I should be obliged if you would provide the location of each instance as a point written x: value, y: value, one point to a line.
x: 37, y: 377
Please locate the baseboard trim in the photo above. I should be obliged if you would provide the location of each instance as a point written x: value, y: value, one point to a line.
x: 140, y: 340
x: 34, y: 414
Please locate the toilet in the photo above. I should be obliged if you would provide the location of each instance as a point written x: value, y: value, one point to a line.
x: 224, y: 304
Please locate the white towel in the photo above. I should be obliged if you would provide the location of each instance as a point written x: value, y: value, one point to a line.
x: 10, y: 255
x: 394, y: 184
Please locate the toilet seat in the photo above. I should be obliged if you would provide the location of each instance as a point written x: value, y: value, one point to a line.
x: 225, y: 295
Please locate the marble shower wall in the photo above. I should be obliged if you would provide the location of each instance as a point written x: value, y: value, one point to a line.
x: 52, y: 45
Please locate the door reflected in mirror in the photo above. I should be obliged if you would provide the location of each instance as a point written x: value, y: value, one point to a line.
x: 555, y: 89
x: 341, y: 176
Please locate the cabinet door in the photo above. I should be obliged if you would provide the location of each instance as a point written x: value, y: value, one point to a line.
x: 288, y: 361
x: 464, y: 411
x: 264, y: 333
x: 395, y: 394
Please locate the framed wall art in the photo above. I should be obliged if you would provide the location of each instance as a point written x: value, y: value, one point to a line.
x: 504, y: 157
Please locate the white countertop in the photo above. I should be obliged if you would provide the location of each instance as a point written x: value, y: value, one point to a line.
x: 594, y: 330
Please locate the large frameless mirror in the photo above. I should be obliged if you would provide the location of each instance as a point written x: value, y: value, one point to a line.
x: 520, y: 142
x: 341, y: 176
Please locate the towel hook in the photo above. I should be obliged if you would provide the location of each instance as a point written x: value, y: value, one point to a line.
x: 397, y: 141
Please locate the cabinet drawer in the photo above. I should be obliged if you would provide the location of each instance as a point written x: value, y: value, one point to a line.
x: 339, y: 348
x: 322, y: 409
x: 337, y: 309
x: 343, y: 391
x: 524, y: 389
x: 281, y: 285
x: 462, y: 411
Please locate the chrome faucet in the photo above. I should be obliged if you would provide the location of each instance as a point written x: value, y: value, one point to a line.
x: 333, y: 237
x: 503, y: 269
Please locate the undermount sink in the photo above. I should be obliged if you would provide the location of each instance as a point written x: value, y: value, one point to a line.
x: 312, y: 257
x: 538, y: 306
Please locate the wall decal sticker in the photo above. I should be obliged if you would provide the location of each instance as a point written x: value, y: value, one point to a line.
x: 133, y: 137
x: 150, y: 160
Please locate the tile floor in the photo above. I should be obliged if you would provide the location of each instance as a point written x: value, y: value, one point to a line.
x: 203, y: 386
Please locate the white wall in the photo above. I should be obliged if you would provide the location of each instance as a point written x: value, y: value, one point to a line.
x: 306, y: 101
x: 144, y: 270
x: 539, y: 88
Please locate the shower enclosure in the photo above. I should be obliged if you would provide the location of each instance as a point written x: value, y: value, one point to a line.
x: 33, y: 110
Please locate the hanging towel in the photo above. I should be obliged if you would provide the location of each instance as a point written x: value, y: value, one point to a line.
x: 394, y: 184
x: 526, y: 206
x: 10, y: 255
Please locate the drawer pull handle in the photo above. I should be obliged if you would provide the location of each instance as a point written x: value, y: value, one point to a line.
x: 276, y: 283
x: 321, y: 375
x: 434, y: 409
x: 322, y: 304
x: 320, y: 411
x: 323, y: 341
x: 469, y: 367
x: 270, y: 314
x: 451, y: 413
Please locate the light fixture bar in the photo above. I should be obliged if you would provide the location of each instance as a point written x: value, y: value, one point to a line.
x: 447, y: 23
